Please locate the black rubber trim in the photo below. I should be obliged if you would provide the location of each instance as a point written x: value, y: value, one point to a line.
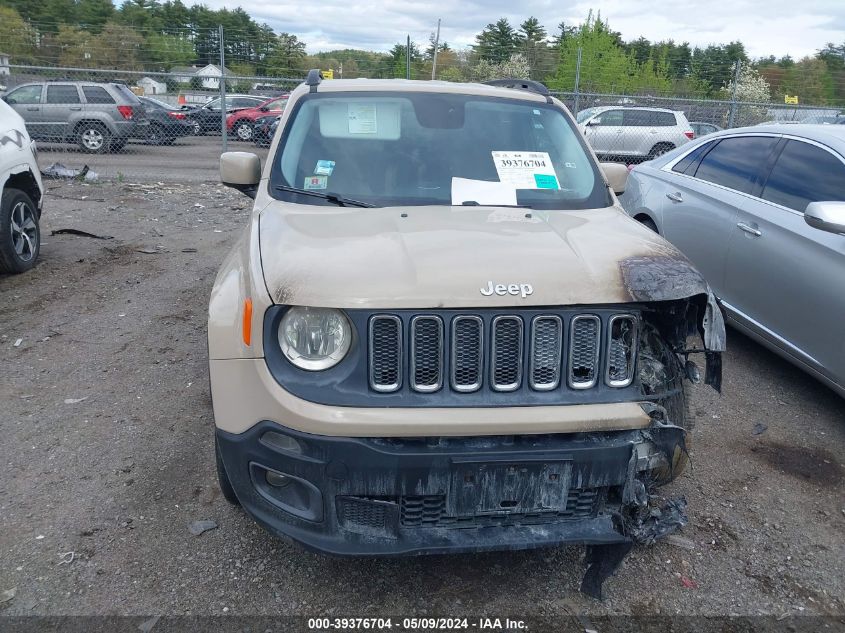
x: 384, y: 469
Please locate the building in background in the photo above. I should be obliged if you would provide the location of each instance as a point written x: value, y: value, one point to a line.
x: 152, y: 86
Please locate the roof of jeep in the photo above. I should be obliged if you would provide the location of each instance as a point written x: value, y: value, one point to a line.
x: 413, y: 85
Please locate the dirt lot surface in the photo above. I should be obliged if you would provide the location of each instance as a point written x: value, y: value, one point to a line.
x: 106, y: 457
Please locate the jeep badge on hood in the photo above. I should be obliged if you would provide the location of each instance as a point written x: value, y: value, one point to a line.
x: 507, y: 289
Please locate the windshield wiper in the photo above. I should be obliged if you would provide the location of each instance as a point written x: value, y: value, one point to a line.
x: 331, y: 197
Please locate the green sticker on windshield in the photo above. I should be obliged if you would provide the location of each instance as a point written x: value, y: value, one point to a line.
x: 546, y: 181
x: 316, y: 182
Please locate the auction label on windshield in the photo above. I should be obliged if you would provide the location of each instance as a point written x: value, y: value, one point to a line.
x: 362, y: 118
x: 526, y: 170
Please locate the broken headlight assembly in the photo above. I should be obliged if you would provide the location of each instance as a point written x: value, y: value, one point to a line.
x: 314, y: 339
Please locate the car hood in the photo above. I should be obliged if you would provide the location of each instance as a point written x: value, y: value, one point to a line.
x: 443, y: 256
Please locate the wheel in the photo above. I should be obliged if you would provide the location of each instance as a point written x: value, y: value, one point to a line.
x: 93, y: 138
x: 20, y: 234
x: 647, y: 221
x: 223, y: 478
x: 660, y: 149
x: 156, y: 135
x: 243, y: 130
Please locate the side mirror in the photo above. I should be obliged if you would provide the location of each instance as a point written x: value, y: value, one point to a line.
x: 616, y: 175
x: 264, y: 109
x: 595, y: 121
x: 826, y: 216
x: 241, y: 171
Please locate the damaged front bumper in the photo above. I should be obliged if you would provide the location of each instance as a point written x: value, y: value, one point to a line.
x: 404, y: 496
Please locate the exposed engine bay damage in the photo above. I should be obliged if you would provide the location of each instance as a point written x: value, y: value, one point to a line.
x: 661, y: 452
x: 682, y: 305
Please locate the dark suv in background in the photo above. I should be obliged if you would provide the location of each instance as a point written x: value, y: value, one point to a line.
x: 99, y: 117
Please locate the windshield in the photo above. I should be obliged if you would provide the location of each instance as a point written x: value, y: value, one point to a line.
x: 419, y: 148
x: 583, y: 115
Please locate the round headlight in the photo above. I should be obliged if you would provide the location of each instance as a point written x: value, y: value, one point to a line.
x: 314, y: 338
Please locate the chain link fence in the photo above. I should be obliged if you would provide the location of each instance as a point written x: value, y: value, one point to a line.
x: 190, y: 115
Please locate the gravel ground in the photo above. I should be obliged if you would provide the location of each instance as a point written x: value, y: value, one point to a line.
x: 107, y: 454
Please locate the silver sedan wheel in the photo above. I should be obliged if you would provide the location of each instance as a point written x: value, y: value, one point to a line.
x: 24, y: 231
x: 93, y: 139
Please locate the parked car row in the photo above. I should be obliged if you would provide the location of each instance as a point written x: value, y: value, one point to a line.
x: 103, y: 117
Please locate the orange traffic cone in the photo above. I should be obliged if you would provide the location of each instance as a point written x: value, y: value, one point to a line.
x: 181, y: 100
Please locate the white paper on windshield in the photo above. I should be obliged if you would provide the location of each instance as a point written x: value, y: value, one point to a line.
x: 362, y: 118
x: 526, y: 170
x: 482, y: 191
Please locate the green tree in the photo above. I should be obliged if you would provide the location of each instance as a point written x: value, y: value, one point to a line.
x: 811, y: 80
x: 605, y: 65
x: 715, y: 65
x: 17, y: 38
x: 398, y: 56
x: 119, y: 47
x: 73, y: 46
x: 165, y: 51
x: 497, y: 42
x: 531, y: 39
x: 93, y: 14
x: 285, y: 60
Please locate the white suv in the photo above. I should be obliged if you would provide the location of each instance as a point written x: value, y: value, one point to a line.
x: 22, y: 193
x: 615, y: 131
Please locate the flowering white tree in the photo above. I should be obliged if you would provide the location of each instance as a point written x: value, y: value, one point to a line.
x: 516, y: 67
x: 752, y: 88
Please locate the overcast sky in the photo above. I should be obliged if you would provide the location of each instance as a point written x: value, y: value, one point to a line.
x: 773, y: 27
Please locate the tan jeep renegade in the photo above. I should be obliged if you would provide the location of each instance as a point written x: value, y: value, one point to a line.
x: 440, y: 332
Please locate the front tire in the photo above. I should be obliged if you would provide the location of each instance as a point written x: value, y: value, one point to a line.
x: 223, y: 478
x: 93, y: 138
x: 20, y: 233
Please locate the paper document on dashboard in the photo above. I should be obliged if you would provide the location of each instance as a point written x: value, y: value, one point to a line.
x: 482, y: 192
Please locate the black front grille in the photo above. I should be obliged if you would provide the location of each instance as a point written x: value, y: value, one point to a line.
x: 429, y: 511
x: 385, y: 353
x: 584, y: 341
x: 362, y: 513
x: 468, y: 353
x: 546, y: 344
x: 506, y: 372
x: 426, y: 353
x: 467, y: 338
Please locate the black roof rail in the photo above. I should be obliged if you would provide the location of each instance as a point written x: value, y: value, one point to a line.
x: 315, y: 76
x: 521, y: 84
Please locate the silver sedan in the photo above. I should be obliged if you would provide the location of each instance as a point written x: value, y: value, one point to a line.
x: 761, y: 213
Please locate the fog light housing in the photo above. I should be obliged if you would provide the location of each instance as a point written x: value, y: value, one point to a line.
x: 277, y: 480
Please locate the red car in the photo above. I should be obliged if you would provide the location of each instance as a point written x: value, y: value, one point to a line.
x: 241, y: 122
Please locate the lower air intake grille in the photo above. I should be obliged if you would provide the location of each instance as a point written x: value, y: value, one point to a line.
x: 428, y: 511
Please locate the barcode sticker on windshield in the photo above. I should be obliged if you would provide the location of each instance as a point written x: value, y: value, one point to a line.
x: 526, y: 170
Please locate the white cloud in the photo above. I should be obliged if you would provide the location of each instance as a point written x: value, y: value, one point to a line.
x: 773, y: 27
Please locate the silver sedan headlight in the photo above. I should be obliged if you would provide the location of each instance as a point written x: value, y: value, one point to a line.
x: 314, y: 338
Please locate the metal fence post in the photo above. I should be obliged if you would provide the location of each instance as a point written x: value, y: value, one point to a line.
x: 577, y: 82
x: 732, y: 116
x: 408, y: 59
x: 222, y: 83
